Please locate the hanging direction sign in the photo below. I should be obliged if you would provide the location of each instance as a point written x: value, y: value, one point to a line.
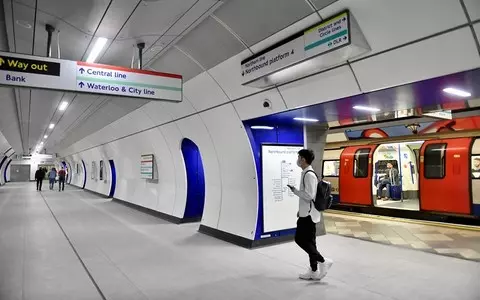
x: 49, y: 73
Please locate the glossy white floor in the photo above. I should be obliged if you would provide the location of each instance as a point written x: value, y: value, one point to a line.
x: 130, y: 255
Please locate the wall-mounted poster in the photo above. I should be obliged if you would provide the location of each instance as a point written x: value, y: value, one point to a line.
x: 279, y: 169
x: 78, y: 168
x: 101, y: 170
x: 146, y: 166
x: 94, y: 170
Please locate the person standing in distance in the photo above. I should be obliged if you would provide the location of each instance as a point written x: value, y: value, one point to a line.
x: 308, y: 217
x: 61, y: 180
x: 39, y: 176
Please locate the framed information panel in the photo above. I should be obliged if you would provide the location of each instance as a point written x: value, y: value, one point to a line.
x: 146, y: 166
x: 279, y: 168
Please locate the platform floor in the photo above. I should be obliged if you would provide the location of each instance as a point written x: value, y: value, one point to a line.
x: 438, y: 238
x: 75, y: 245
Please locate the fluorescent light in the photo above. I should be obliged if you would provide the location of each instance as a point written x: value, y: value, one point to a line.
x: 63, y: 106
x: 97, y: 48
x: 45, y: 136
x: 306, y: 119
x: 262, y: 127
x: 367, y: 108
x: 457, y: 92
x: 51, y: 126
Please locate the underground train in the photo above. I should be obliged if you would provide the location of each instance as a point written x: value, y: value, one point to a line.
x: 438, y: 177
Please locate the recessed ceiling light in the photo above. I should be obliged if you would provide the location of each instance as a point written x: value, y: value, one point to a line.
x: 262, y: 127
x: 51, y: 126
x: 45, y: 136
x: 63, y: 106
x: 24, y: 24
x: 97, y: 48
x: 366, y: 108
x: 306, y: 119
x: 457, y: 92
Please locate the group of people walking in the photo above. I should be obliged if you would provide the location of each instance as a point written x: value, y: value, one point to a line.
x: 53, y: 177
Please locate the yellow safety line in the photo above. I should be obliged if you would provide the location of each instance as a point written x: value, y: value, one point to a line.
x: 418, y: 222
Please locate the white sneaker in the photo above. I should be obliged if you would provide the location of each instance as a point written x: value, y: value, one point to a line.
x: 324, y: 267
x: 310, y: 275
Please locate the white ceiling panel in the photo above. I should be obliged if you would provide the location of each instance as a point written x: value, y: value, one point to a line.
x: 210, y: 43
x: 228, y: 75
x: 44, y: 103
x: 476, y: 28
x: 3, y: 30
x: 8, y: 119
x: 120, y: 51
x: 23, y: 23
x: 326, y: 86
x: 73, y: 42
x: 174, y: 61
x: 197, y: 13
x: 255, y: 20
x: 252, y: 106
x: 154, y: 18
x: 319, y: 4
x: 84, y: 15
x: 116, y: 16
x: 390, y: 23
x: 203, y: 92
x: 430, y: 58
x: 473, y: 8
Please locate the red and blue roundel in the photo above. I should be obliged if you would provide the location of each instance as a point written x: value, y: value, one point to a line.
x: 374, y: 133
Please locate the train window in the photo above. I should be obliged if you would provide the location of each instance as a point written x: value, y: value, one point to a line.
x: 475, y: 166
x: 360, y: 167
x: 381, y: 165
x: 331, y: 168
x: 435, y: 161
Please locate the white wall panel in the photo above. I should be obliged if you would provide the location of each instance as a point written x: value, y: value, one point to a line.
x: 239, y: 186
x: 252, y: 106
x: 174, y: 137
x: 430, y: 58
x: 228, y: 74
x: 476, y: 27
x: 330, y: 85
x: 194, y: 129
x: 203, y: 92
x: 156, y: 112
x: 473, y: 8
x: 390, y: 23
x: 179, y: 110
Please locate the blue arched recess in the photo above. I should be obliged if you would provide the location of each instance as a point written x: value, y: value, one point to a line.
x: 113, y: 177
x: 195, y: 181
x: 84, y: 174
x: 5, y: 171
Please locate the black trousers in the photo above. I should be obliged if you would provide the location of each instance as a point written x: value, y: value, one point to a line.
x: 39, y: 184
x: 61, y: 184
x: 305, y: 237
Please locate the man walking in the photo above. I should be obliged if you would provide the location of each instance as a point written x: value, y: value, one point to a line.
x: 39, y: 176
x: 61, y: 180
x: 51, y: 177
x: 308, y: 216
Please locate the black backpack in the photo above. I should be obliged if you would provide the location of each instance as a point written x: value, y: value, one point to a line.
x: 323, y: 199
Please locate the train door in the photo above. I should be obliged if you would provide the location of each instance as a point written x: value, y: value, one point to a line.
x: 356, y: 175
x: 445, y: 176
x: 331, y: 171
